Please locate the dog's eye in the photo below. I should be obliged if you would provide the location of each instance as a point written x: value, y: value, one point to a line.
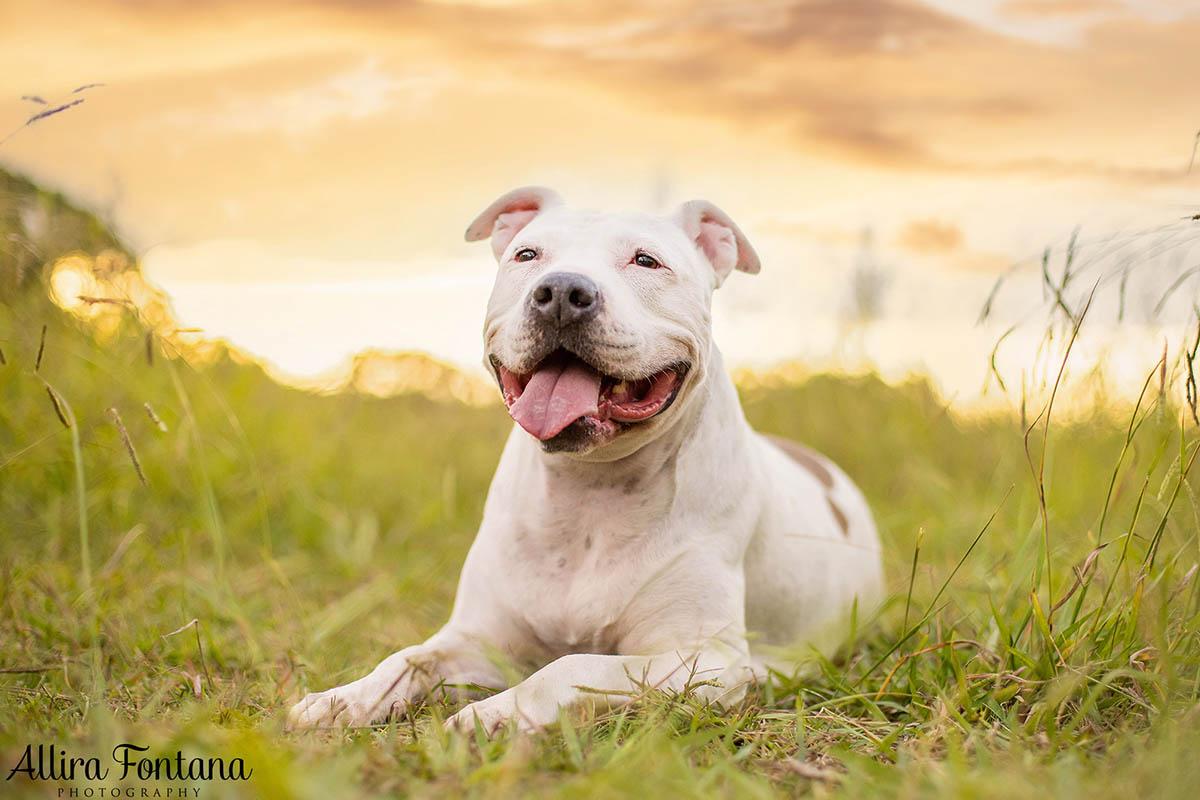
x: 525, y: 254
x: 647, y: 261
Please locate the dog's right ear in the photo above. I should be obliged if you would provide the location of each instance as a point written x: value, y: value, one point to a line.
x: 504, y: 218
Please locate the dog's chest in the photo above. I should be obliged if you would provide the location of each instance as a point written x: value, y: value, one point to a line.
x: 575, y: 573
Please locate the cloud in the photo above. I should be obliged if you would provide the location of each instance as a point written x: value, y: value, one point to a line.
x: 882, y: 82
x: 893, y: 83
x: 357, y: 93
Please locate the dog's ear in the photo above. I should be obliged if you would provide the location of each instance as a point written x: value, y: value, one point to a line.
x: 718, y: 238
x: 504, y: 218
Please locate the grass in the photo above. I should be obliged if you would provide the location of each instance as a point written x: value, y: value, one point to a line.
x: 1042, y: 634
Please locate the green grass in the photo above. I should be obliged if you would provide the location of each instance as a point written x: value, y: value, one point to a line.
x: 309, y: 536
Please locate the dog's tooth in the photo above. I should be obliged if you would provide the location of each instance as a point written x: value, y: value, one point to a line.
x: 619, y: 388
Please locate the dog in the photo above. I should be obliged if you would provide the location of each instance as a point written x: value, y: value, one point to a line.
x: 637, y: 533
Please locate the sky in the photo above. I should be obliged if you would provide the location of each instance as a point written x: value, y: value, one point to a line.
x: 297, y: 175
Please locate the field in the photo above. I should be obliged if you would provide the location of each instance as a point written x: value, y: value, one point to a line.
x: 1042, y: 635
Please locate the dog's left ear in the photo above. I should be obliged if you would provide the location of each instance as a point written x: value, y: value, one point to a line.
x: 719, y: 239
x: 504, y: 218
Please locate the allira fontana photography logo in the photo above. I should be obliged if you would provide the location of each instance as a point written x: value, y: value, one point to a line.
x: 128, y: 762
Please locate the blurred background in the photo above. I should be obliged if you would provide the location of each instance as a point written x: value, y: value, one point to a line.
x: 208, y: 208
x: 297, y: 175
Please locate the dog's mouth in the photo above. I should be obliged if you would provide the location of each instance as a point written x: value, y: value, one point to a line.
x: 563, y: 389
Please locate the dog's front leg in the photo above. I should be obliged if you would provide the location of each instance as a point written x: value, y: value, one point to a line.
x: 600, y: 682
x: 446, y: 658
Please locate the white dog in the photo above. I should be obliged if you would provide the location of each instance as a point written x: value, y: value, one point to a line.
x: 637, y: 533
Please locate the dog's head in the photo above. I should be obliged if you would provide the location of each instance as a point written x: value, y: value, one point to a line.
x: 598, y: 327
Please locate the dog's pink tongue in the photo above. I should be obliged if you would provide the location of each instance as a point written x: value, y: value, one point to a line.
x: 558, y: 394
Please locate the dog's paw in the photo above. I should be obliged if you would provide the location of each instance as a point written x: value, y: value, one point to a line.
x: 347, y: 706
x: 494, y: 713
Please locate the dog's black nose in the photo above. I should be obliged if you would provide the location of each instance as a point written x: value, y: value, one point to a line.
x: 565, y: 298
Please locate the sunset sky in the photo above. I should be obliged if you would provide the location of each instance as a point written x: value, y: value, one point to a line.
x: 297, y: 176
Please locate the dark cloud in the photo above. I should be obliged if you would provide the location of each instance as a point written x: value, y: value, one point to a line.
x: 884, y: 82
x: 824, y: 69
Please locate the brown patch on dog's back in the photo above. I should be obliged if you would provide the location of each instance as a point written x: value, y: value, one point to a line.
x: 840, y: 516
x: 807, y: 459
x: 816, y: 466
